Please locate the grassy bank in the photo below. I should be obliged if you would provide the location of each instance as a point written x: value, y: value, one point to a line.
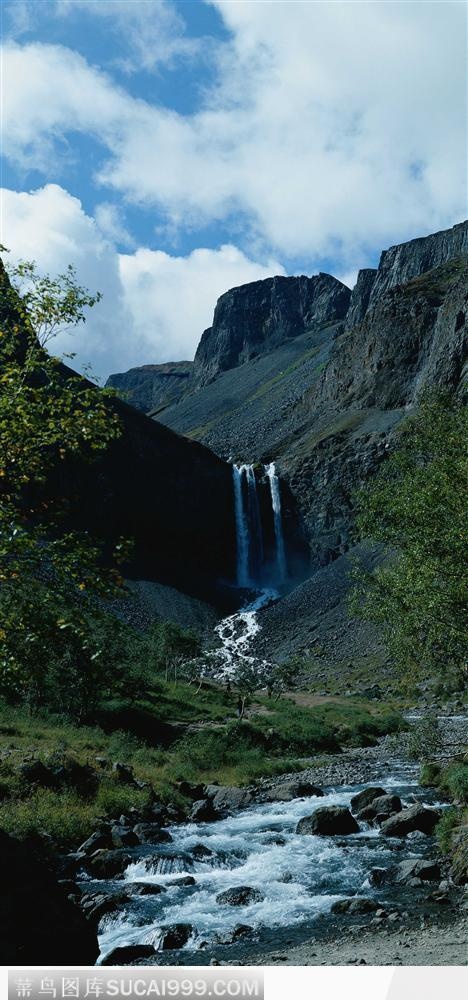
x: 204, y: 741
x: 452, y: 830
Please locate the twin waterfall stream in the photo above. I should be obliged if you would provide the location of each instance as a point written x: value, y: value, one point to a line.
x: 256, y: 570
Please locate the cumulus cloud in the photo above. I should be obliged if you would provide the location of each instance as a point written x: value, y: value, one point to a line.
x: 336, y: 130
x: 154, y: 306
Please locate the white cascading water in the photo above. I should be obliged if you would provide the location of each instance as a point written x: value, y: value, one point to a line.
x: 242, y: 528
x: 278, y: 522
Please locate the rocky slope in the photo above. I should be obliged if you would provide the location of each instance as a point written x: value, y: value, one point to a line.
x: 316, y: 378
x: 153, y: 387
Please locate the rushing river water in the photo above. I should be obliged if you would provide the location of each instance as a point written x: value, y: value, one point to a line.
x: 299, y: 876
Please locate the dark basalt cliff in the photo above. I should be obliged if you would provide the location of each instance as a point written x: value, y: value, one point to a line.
x: 153, y: 387
x: 257, y: 317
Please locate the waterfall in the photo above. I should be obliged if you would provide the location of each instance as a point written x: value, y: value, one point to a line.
x: 279, y: 537
x: 255, y: 524
x: 242, y: 528
x: 250, y: 562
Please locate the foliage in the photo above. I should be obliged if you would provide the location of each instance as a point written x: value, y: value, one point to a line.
x: 416, y: 507
x: 445, y: 828
x: 425, y: 738
x: 170, y: 646
x: 47, y: 417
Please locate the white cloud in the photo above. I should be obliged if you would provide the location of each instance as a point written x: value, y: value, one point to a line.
x: 171, y: 298
x: 154, y: 307
x: 333, y: 127
x: 154, y: 33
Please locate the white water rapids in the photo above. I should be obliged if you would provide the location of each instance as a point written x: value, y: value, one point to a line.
x: 299, y: 876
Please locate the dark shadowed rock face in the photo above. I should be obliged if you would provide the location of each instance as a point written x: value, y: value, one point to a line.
x: 257, y: 317
x: 153, y: 387
x: 39, y: 924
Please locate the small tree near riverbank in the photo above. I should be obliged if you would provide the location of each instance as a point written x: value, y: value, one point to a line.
x: 416, y: 507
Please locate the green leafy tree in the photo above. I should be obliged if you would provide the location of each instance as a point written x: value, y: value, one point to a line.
x: 171, y: 647
x: 416, y: 507
x: 48, y: 416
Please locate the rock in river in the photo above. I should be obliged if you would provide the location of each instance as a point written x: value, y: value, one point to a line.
x: 128, y: 953
x: 364, y: 798
x: 289, y: 790
x: 328, y: 822
x: 240, y: 895
x: 417, y: 817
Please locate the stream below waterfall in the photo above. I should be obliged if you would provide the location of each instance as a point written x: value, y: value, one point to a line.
x: 299, y: 877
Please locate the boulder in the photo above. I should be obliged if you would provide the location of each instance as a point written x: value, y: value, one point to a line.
x: 191, y: 791
x: 96, y: 904
x: 108, y: 864
x: 39, y: 923
x: 289, y: 790
x: 238, y: 933
x: 240, y: 895
x: 328, y: 822
x: 99, y: 839
x: 380, y: 809
x: 364, y: 798
x: 146, y: 889
x: 201, y: 851
x: 183, y: 880
x: 355, y: 905
x: 124, y: 773
x: 175, y: 936
x: 128, y: 953
x: 379, y: 876
x: 122, y: 836
x: 229, y: 798
x: 203, y: 811
x: 417, y: 817
x: 151, y: 833
x: 417, y: 868
x: 36, y: 773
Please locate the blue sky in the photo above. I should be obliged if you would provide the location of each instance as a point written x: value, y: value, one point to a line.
x: 171, y: 150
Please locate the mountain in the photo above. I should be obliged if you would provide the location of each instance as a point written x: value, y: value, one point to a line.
x: 306, y: 373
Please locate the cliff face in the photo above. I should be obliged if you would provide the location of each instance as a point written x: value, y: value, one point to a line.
x: 324, y: 403
x: 255, y: 318
x: 153, y: 387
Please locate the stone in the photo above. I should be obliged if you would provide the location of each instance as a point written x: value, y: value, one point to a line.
x: 364, y: 798
x: 124, y: 773
x: 39, y: 923
x: 203, y: 811
x: 108, y: 864
x: 151, y: 833
x: 122, y: 836
x: 230, y: 799
x: 417, y: 817
x: 201, y: 851
x: 175, y: 936
x: 417, y: 868
x: 98, y: 839
x: 289, y: 790
x: 183, y: 880
x: 328, y: 821
x: 380, y: 808
x: 128, y: 953
x: 240, y: 895
x: 379, y: 876
x: 191, y: 791
x: 96, y: 904
x: 146, y: 889
x: 355, y: 905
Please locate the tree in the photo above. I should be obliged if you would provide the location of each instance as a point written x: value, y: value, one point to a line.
x: 171, y: 647
x: 48, y: 575
x: 416, y: 507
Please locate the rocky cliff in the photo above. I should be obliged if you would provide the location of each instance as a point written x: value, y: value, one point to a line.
x: 253, y: 319
x: 152, y: 388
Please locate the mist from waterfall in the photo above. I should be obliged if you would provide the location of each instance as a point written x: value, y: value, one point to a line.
x: 251, y: 569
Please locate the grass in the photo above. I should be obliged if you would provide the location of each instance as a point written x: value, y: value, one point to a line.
x: 452, y: 829
x: 274, y: 740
